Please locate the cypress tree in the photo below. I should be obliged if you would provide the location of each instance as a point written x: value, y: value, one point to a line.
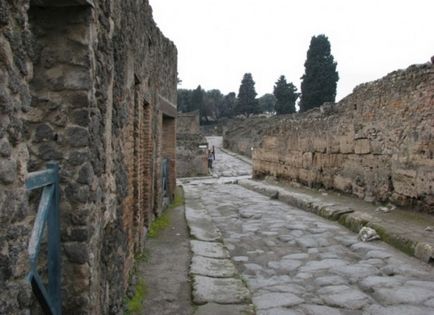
x: 286, y: 95
x: 320, y: 77
x: 247, y: 103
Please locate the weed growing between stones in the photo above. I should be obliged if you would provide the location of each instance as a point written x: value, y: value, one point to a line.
x: 179, y: 198
x: 135, y: 304
x: 159, y: 224
x: 144, y: 256
x: 163, y: 221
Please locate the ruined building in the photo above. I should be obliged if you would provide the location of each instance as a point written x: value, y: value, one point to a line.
x: 191, y: 146
x: 90, y: 84
x: 377, y: 143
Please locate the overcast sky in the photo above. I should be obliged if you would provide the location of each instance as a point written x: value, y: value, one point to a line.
x: 220, y: 40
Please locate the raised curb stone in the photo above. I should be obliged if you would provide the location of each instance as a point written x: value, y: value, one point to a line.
x: 275, y: 300
x: 212, y: 267
x: 218, y: 290
x: 201, y: 226
x: 218, y: 309
x: 209, y: 249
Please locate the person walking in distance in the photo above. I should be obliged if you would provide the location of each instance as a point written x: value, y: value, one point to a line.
x: 213, y: 153
x: 210, y: 158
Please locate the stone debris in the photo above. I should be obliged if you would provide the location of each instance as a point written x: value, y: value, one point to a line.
x: 367, y: 234
x: 386, y: 209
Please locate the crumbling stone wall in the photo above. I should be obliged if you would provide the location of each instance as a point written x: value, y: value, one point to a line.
x: 191, y: 146
x: 85, y: 83
x: 377, y: 143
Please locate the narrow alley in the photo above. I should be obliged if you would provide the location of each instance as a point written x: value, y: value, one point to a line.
x: 292, y: 261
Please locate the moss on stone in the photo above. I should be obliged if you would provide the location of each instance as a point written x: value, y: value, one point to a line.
x: 404, y: 245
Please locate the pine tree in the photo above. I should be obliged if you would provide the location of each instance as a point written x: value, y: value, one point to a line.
x: 286, y: 95
x: 247, y: 103
x: 320, y: 77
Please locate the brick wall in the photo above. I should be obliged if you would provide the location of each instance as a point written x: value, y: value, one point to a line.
x: 82, y: 83
x: 377, y: 143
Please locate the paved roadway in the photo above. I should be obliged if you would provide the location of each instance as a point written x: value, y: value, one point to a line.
x: 295, y: 262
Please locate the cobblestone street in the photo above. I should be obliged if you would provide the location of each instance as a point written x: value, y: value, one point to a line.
x: 295, y: 262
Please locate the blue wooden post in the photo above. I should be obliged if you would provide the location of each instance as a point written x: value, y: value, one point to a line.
x: 54, y: 260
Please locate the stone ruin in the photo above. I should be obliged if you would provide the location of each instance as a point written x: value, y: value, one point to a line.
x: 191, y: 146
x: 92, y: 85
x: 377, y: 143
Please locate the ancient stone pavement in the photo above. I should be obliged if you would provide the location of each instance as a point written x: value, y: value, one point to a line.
x: 292, y: 261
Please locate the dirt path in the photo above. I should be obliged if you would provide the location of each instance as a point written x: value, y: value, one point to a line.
x: 164, y: 267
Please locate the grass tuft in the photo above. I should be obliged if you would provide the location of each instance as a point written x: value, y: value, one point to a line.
x: 135, y: 304
x: 159, y: 224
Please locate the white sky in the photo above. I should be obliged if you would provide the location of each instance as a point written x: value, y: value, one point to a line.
x: 220, y: 40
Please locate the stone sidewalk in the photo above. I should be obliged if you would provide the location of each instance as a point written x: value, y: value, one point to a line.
x: 409, y: 232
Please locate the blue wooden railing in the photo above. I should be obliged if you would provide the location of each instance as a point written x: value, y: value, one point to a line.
x: 48, y: 212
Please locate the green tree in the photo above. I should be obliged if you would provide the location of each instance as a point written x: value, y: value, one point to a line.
x: 213, y: 100
x: 267, y: 103
x: 184, y: 100
x: 247, y: 103
x: 227, y: 108
x: 286, y: 95
x: 197, y: 102
x: 320, y: 76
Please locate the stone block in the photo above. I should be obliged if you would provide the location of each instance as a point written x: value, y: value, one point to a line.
x: 343, y: 183
x: 43, y: 132
x: 362, y: 146
x: 219, y: 309
x: 209, y: 249
x: 346, y: 144
x: 404, y: 181
x: 5, y: 148
x: 49, y: 151
x: 77, y: 253
x: 8, y: 171
x: 307, y: 160
x: 77, y: 136
x: 212, y: 267
x: 221, y: 291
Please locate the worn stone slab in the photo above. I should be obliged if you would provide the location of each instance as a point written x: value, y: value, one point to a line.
x: 280, y: 311
x: 219, y: 290
x: 201, y: 225
x: 379, y: 281
x: 275, y: 300
x: 407, y: 294
x: 322, y: 265
x: 286, y: 265
x: 209, y: 249
x: 219, y: 309
x: 212, y: 267
x: 346, y: 298
x: 330, y: 280
x: 313, y: 309
x: 356, y: 272
x: 398, y: 310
